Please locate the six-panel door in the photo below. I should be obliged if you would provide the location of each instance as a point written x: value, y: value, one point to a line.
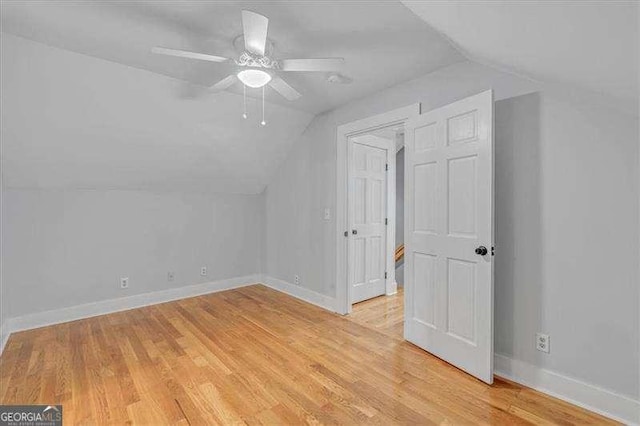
x: 448, y: 215
x: 368, y: 206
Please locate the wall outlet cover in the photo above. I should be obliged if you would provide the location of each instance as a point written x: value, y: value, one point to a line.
x: 124, y: 282
x: 296, y: 280
x: 203, y: 271
x: 171, y: 276
x: 542, y: 342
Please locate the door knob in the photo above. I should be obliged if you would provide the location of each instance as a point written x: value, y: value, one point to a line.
x: 482, y: 250
x: 354, y: 231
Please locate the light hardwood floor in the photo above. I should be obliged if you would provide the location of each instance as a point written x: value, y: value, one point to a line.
x: 256, y: 356
x: 384, y: 314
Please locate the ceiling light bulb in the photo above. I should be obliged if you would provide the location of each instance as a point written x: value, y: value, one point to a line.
x: 254, y: 78
x: 244, y: 115
x: 264, y: 123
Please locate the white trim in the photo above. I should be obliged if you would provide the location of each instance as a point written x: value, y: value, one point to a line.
x: 390, y: 267
x: 585, y: 395
x: 302, y: 293
x: 4, y: 336
x: 88, y: 310
x: 390, y: 118
x: 399, y: 146
x: 591, y: 397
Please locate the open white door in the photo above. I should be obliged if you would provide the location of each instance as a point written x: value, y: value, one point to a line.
x: 449, y: 233
x: 367, y: 216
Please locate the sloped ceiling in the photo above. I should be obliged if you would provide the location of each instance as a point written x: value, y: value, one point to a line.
x: 85, y: 104
x: 591, y: 45
x: 382, y: 42
x: 73, y: 121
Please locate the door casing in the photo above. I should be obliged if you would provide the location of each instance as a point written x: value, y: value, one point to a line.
x: 344, y: 132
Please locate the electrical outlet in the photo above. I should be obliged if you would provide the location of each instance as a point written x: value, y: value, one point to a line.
x: 327, y: 214
x: 124, y: 282
x: 296, y: 279
x: 203, y: 271
x: 171, y: 276
x: 542, y: 342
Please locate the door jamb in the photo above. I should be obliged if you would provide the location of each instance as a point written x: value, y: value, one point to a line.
x: 390, y: 118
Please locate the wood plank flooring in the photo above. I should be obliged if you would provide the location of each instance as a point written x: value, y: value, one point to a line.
x: 384, y: 314
x: 255, y: 356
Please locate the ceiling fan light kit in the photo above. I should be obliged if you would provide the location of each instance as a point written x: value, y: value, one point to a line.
x: 254, y: 78
x: 256, y: 66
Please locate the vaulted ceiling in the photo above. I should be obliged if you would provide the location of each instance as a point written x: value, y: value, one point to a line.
x: 85, y: 104
x: 73, y: 121
x: 590, y: 45
x: 383, y: 43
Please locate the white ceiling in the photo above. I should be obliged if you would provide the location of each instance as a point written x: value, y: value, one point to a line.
x: 73, y: 121
x: 382, y: 42
x: 592, y: 45
x: 98, y: 110
x: 85, y: 104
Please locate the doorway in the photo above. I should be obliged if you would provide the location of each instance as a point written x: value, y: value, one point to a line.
x: 365, y: 209
x: 448, y: 297
x: 375, y: 212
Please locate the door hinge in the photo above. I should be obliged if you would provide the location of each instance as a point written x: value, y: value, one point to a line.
x: 385, y: 275
x: 386, y: 167
x: 386, y: 221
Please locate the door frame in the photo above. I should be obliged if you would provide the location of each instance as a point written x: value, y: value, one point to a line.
x: 344, y: 132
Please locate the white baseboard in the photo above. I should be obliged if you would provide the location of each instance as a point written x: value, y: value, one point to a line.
x: 594, y: 398
x: 591, y: 397
x: 326, y: 302
x: 72, y: 313
x: 4, y: 336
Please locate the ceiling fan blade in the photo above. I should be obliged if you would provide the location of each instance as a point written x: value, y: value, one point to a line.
x: 224, y: 83
x: 255, y: 28
x: 187, y: 54
x: 281, y: 86
x: 319, y: 64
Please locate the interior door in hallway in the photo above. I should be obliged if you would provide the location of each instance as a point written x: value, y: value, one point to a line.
x: 368, y: 156
x: 449, y: 233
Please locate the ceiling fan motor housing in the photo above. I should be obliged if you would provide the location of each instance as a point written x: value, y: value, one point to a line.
x: 248, y: 59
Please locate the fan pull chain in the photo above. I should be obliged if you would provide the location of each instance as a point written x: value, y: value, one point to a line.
x: 263, y: 122
x: 244, y: 101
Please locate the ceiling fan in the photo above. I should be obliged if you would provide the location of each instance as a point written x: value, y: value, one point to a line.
x: 256, y: 66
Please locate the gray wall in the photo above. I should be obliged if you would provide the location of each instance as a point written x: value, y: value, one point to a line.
x: 567, y: 234
x: 64, y: 248
x: 3, y: 299
x: 566, y: 238
x: 566, y: 207
x: 299, y: 240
